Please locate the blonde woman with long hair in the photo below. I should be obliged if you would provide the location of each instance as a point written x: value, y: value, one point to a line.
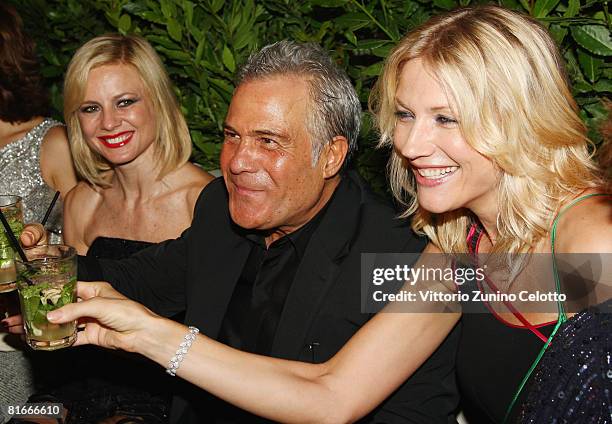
x: 487, y: 140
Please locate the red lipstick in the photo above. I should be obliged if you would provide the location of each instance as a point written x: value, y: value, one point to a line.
x: 111, y: 142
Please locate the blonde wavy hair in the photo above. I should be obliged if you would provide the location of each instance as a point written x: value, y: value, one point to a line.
x: 505, y: 77
x: 172, y: 144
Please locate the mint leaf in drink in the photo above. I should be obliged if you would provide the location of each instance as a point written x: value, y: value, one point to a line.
x: 15, y: 222
x: 67, y: 295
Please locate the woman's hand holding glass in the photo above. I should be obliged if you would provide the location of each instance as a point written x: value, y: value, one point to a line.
x: 110, y: 319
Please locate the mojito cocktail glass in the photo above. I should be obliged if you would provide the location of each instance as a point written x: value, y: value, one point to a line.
x: 10, y: 206
x: 45, y: 283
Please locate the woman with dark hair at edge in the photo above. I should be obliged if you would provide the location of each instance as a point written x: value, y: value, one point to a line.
x: 486, y: 134
x: 35, y: 162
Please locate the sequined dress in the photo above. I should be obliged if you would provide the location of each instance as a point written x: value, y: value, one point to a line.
x: 20, y: 171
x: 573, y: 382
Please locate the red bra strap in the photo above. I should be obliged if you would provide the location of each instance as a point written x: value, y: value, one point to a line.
x: 517, y: 314
x: 475, y: 231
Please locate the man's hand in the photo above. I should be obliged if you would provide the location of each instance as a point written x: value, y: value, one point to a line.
x: 111, y: 319
x: 33, y: 234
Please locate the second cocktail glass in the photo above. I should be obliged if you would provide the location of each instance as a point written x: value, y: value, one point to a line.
x: 10, y: 206
x: 45, y: 283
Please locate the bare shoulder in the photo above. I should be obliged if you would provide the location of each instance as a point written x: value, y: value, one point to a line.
x: 80, y: 205
x: 195, y: 175
x: 190, y: 179
x: 586, y: 227
x: 55, y: 144
x: 83, y: 191
x: 56, y: 135
x: 56, y: 160
x: 82, y: 201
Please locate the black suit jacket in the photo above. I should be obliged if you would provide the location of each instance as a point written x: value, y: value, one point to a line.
x: 197, y: 273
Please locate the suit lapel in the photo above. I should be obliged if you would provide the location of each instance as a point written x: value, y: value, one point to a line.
x: 214, y: 294
x: 216, y: 268
x: 318, y: 269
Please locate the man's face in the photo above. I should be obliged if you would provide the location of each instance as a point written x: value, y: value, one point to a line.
x: 267, y: 157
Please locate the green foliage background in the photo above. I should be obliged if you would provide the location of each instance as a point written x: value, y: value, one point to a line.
x: 203, y: 41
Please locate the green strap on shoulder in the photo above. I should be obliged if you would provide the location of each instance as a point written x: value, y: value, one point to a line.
x: 553, y: 237
x: 560, y: 307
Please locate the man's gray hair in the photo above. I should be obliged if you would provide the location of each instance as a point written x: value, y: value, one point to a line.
x: 336, y: 108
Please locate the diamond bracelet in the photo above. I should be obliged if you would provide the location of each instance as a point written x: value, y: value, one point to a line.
x: 175, y: 361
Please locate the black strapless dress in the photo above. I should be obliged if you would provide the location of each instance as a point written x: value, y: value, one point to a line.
x: 115, y: 248
x: 492, y: 357
x: 107, y: 383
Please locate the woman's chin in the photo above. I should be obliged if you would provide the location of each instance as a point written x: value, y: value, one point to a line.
x: 116, y: 160
x: 435, y: 205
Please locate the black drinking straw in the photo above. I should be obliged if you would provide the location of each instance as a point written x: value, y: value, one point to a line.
x: 50, y: 208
